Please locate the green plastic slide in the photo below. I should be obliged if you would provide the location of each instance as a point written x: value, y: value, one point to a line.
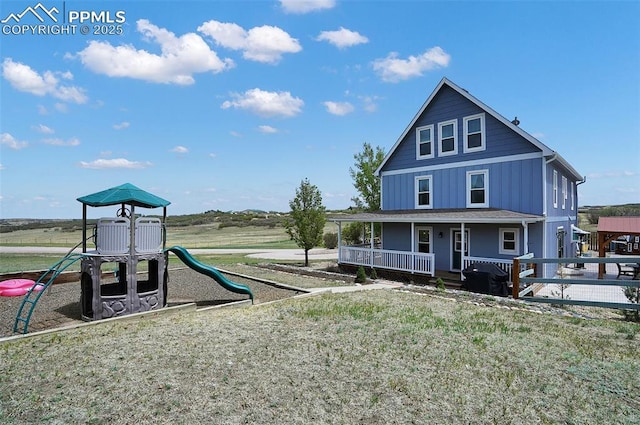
x: 212, y: 272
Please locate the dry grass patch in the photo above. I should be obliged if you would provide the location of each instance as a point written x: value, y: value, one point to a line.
x: 376, y: 357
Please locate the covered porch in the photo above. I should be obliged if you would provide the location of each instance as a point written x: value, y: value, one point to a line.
x: 427, y: 242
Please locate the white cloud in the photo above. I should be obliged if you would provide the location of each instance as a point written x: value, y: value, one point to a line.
x: 342, y: 38
x: 180, y: 149
x: 1, y: 168
x: 42, y: 110
x: 213, y: 155
x: 9, y: 141
x: 41, y: 128
x: 338, y: 108
x: 100, y: 164
x: 23, y: 78
x: 264, y: 44
x: 265, y: 103
x: 392, y: 69
x: 60, y: 142
x: 122, y: 125
x: 306, y: 6
x: 180, y: 57
x: 61, y: 107
x: 612, y: 174
x: 369, y: 103
x: 267, y: 129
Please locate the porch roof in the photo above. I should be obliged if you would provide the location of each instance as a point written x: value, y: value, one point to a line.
x: 484, y: 215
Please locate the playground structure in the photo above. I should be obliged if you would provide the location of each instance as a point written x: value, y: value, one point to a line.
x: 113, y: 278
x: 125, y: 241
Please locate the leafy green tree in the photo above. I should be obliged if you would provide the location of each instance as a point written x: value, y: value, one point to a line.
x: 364, y: 179
x: 368, y: 186
x: 308, y: 217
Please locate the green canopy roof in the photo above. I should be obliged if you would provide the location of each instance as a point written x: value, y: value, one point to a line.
x: 124, y: 194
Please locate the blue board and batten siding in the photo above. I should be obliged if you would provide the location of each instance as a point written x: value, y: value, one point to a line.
x: 513, y: 163
x: 511, y: 187
x: 445, y: 106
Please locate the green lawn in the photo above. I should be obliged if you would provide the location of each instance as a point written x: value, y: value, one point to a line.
x: 375, y: 357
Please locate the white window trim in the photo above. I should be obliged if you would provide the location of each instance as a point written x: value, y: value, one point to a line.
x: 455, y: 137
x: 417, y: 241
x: 564, y: 192
x: 432, y: 154
x: 515, y: 251
x: 417, y: 192
x: 555, y: 189
x: 483, y: 146
x: 486, y: 189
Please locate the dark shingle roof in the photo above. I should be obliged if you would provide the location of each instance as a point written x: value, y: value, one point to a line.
x: 483, y: 215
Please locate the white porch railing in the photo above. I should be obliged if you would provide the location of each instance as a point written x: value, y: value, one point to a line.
x: 414, y: 262
x: 506, y: 265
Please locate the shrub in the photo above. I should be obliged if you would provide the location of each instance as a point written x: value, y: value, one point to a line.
x: 361, y: 276
x: 330, y: 240
x: 439, y: 283
x: 633, y: 295
x: 373, y: 275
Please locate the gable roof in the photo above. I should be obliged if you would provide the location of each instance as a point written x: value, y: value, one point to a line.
x: 124, y: 194
x: 546, y: 151
x: 626, y: 225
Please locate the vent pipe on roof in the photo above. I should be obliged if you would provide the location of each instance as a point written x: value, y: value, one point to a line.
x: 515, y: 121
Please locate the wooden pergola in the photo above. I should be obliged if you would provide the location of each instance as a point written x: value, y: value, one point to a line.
x: 610, y: 229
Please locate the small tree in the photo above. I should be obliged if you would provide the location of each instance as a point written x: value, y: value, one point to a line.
x: 308, y: 217
x: 364, y: 179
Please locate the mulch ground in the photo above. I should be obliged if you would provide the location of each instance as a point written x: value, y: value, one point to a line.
x: 60, y: 304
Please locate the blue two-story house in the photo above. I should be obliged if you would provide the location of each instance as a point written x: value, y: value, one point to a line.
x: 463, y: 184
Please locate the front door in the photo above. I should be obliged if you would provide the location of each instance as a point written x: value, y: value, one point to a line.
x: 456, y: 252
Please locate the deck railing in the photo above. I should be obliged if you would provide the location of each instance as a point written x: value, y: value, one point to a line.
x: 579, y: 286
x: 413, y: 262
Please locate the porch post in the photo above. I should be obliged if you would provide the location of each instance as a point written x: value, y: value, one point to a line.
x: 462, y: 250
x: 371, y: 246
x: 413, y: 246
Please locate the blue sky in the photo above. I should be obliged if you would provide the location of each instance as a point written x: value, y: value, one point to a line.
x: 228, y: 105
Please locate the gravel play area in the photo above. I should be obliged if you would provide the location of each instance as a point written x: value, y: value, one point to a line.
x: 60, y: 304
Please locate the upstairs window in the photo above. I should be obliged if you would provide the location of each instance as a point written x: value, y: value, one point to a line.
x: 424, y: 186
x: 474, y: 138
x: 555, y: 189
x: 565, y: 195
x: 573, y: 199
x: 448, y: 138
x: 478, y: 189
x: 424, y: 142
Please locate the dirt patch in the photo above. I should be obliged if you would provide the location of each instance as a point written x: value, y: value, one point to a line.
x: 325, y: 270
